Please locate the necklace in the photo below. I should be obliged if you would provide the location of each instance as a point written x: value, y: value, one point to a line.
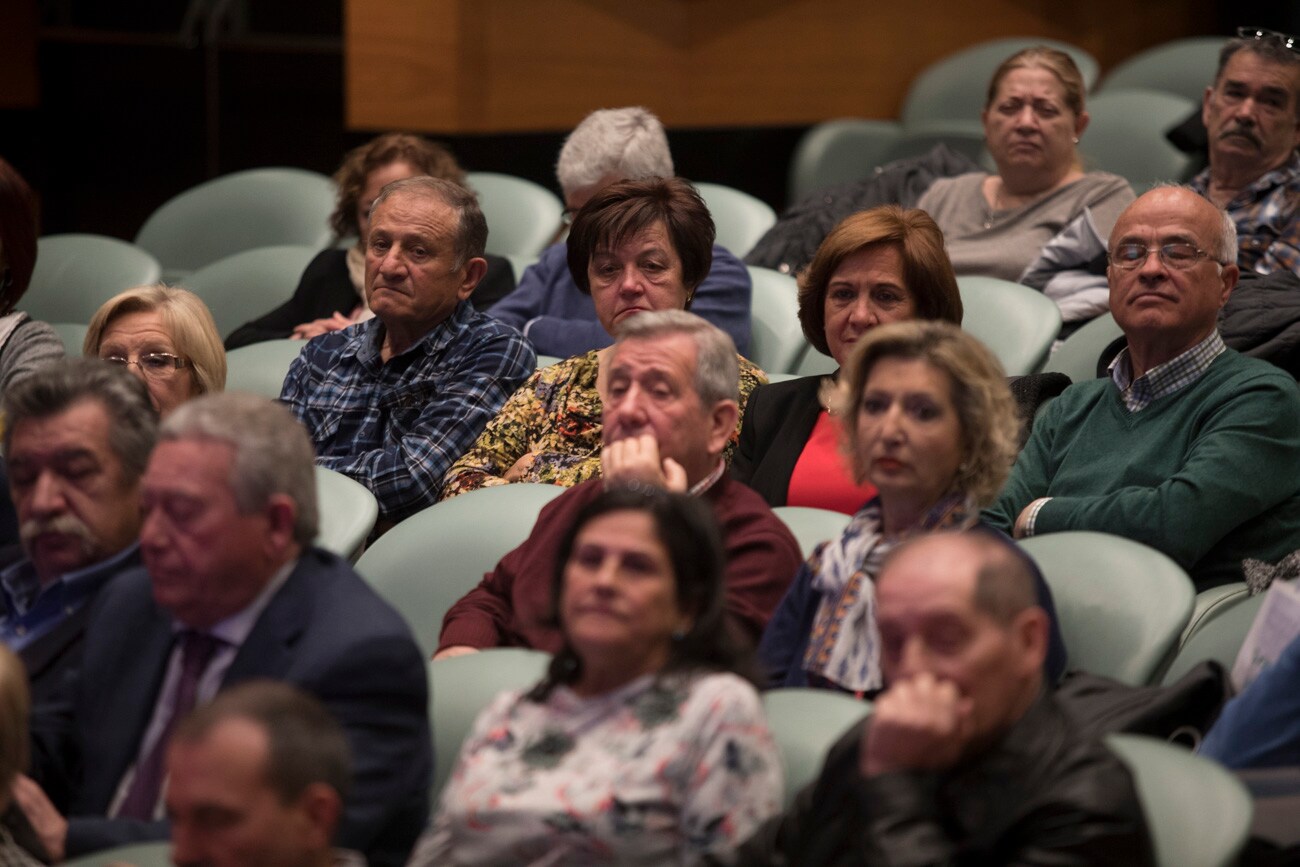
x: 989, y: 211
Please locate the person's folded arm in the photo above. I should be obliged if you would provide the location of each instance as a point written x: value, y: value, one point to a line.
x: 1244, y: 460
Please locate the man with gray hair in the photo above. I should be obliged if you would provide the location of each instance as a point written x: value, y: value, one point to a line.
x: 232, y: 590
x: 670, y: 405
x: 1252, y: 115
x: 395, y: 400
x: 77, y: 437
x: 1188, y: 446
x: 611, y: 145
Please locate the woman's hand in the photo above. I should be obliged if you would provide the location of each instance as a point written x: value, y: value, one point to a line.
x: 317, y: 327
x: 454, y: 650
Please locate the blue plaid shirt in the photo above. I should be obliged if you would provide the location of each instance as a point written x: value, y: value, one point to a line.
x: 397, y: 426
x: 1267, y: 214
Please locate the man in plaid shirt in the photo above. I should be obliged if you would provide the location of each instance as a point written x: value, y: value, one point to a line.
x: 392, y: 401
x: 1252, y: 115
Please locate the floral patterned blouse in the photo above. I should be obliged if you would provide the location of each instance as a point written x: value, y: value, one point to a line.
x: 556, y: 414
x: 659, y: 771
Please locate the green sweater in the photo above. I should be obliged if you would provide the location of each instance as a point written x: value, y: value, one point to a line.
x: 1209, y: 474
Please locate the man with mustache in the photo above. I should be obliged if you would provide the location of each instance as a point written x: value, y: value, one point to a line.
x: 1188, y: 446
x: 1252, y: 115
x: 77, y: 437
x: 670, y: 405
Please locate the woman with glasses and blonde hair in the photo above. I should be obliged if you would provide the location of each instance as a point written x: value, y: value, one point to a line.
x: 166, y: 336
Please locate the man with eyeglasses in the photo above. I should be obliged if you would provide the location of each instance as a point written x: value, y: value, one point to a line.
x: 1252, y: 115
x: 1188, y: 446
x: 77, y: 437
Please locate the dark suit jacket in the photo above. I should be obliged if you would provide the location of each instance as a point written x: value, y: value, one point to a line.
x: 779, y: 418
x: 324, y: 631
x: 55, y: 656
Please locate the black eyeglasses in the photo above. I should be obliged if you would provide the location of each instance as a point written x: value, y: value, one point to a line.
x: 155, y: 365
x: 1290, y: 43
x: 1179, y: 255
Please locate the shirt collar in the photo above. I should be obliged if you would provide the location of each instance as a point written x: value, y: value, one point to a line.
x: 1164, y: 379
x: 235, y: 628
x: 21, y: 586
x: 1267, y: 181
x: 368, y: 341
x: 708, y: 481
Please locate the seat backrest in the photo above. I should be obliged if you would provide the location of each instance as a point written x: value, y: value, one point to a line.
x: 75, y: 274
x: 156, y: 854
x: 738, y: 218
x: 433, y: 558
x: 1121, y: 605
x: 1199, y: 815
x: 1183, y: 67
x: 776, y: 339
x: 956, y: 87
x: 837, y: 152
x: 813, y: 363
x: 522, y: 216
x: 1017, y: 323
x: 812, y: 526
x: 73, y: 335
x: 245, y: 285
x: 462, y: 686
x: 1126, y: 136
x: 348, y: 511
x: 1078, y: 354
x: 1220, y: 620
x: 805, y: 724
x: 237, y: 212
x: 260, y: 368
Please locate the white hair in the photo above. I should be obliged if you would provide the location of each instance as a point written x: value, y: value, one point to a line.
x: 627, y: 143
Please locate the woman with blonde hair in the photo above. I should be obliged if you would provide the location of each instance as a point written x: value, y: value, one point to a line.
x: 166, y: 336
x: 930, y: 422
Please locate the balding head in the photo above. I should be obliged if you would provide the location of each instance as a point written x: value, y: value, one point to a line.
x: 1166, y: 303
x: 962, y: 608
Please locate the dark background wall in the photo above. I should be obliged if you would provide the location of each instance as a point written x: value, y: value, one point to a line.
x: 136, y: 101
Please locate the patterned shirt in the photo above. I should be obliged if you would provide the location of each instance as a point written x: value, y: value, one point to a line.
x: 1267, y: 214
x: 396, y: 426
x: 1161, y: 380
x: 659, y: 771
x: 556, y: 417
x: 30, y: 610
x: 1164, y: 379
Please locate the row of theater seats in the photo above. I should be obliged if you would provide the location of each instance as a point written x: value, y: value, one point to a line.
x: 1131, y: 110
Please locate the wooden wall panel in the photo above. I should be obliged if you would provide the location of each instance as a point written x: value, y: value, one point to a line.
x: 524, y: 65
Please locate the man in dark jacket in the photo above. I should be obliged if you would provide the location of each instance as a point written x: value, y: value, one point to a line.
x: 965, y: 759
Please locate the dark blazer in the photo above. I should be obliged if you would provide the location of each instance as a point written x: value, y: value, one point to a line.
x: 325, y: 631
x: 779, y: 418
x: 325, y: 287
x: 55, y: 656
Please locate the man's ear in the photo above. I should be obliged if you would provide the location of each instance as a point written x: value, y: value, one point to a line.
x: 281, y: 513
x: 1231, y: 274
x: 1029, y: 631
x: 722, y: 424
x: 321, y: 806
x: 472, y: 272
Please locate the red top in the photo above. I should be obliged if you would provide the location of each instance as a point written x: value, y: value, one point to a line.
x: 822, y: 477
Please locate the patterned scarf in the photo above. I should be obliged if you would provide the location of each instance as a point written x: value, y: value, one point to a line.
x: 844, y: 647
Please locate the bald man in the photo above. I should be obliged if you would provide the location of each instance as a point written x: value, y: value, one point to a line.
x: 1188, y: 446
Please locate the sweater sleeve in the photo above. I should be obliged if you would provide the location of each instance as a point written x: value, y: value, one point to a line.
x: 31, y: 346
x: 1244, y: 460
x: 723, y: 298
x: 1030, y: 475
